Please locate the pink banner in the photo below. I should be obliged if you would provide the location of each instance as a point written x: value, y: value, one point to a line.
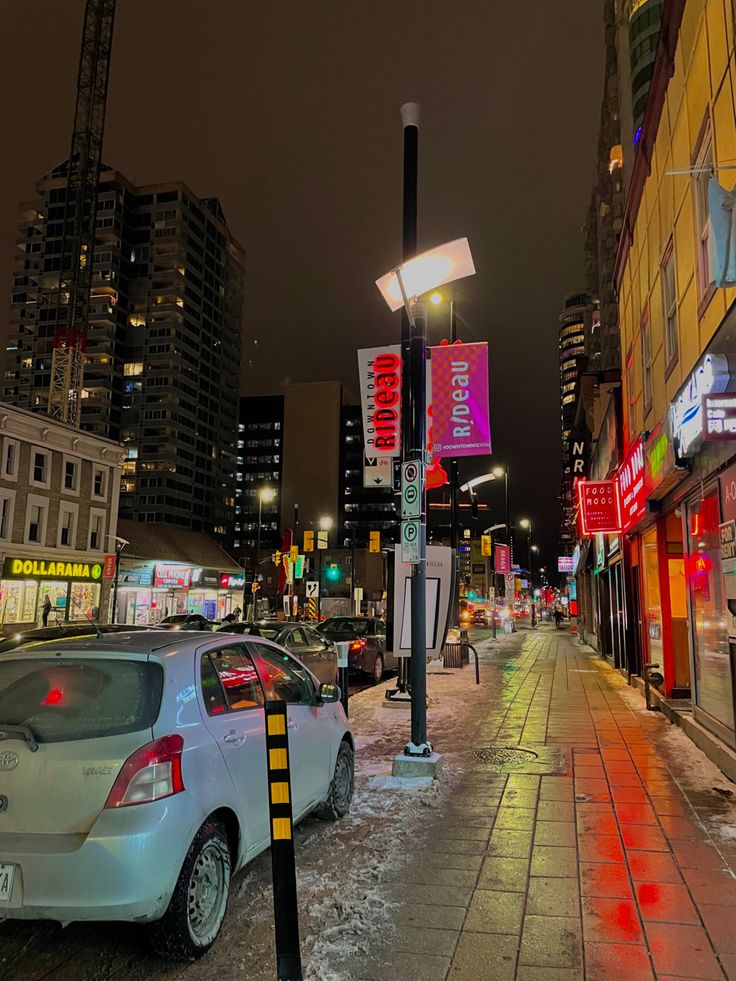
x: 461, y: 423
x: 503, y: 559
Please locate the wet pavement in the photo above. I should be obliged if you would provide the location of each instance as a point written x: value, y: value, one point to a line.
x: 606, y: 856
x: 574, y: 835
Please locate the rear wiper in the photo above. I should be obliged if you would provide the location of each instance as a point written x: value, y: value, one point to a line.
x: 8, y: 731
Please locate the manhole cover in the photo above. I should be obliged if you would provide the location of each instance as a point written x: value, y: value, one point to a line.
x: 500, y: 756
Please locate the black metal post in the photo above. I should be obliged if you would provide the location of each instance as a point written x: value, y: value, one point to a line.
x: 283, y: 863
x: 419, y: 744
x: 454, y: 486
x: 414, y: 352
x: 531, y: 577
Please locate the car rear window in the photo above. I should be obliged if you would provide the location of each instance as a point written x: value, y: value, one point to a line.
x: 64, y: 700
x: 351, y: 628
x: 263, y: 630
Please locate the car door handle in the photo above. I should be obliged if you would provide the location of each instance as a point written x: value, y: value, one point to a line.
x: 234, y: 738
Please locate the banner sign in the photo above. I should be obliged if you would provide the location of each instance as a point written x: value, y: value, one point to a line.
x: 51, y: 568
x: 172, y: 576
x: 108, y: 567
x: 600, y: 510
x: 719, y: 414
x: 564, y: 563
x: 632, y: 489
x: 502, y: 559
x: 379, y: 369
x: 461, y: 423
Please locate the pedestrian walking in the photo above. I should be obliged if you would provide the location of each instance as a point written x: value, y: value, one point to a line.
x: 45, y: 610
x: 558, y: 617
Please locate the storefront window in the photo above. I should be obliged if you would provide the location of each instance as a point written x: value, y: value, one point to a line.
x: 713, y: 690
x: 57, y: 594
x: 652, y: 598
x: 85, y: 601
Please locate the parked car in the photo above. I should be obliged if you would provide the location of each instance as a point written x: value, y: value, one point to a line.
x: 481, y: 618
x: 367, y: 638
x: 37, y: 634
x: 134, y: 780
x: 186, y: 621
x: 318, y: 653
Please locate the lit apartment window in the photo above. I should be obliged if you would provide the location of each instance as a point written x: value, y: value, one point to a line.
x: 669, y: 306
x: 133, y: 368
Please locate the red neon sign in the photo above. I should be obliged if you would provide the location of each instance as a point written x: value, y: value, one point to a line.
x: 631, y: 486
x: 600, y: 507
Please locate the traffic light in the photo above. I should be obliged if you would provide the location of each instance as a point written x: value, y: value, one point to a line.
x: 276, y: 558
x: 485, y: 546
x: 333, y: 572
x: 374, y: 542
x: 308, y: 541
x: 293, y: 554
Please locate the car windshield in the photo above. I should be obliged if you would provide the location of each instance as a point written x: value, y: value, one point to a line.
x: 79, y: 698
x: 347, y: 627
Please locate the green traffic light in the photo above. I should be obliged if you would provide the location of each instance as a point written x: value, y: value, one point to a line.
x: 333, y: 573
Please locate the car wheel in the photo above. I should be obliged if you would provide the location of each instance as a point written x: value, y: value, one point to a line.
x: 377, y: 672
x: 194, y: 917
x: 337, y: 802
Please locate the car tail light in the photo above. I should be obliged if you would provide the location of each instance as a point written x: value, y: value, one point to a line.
x: 151, y: 773
x: 358, y: 645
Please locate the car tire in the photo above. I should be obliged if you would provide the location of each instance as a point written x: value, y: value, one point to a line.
x: 377, y: 671
x: 185, y: 932
x: 337, y: 802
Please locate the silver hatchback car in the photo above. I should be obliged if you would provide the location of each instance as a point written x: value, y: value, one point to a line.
x: 133, y: 778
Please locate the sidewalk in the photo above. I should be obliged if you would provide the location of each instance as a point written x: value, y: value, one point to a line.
x: 605, y: 856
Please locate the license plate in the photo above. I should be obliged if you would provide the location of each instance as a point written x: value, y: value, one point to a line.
x: 7, y: 874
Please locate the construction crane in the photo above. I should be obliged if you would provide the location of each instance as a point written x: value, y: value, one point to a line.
x: 80, y: 208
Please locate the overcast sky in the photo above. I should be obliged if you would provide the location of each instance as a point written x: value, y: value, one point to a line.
x: 289, y: 113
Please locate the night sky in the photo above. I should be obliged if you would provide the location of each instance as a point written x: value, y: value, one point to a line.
x: 289, y: 113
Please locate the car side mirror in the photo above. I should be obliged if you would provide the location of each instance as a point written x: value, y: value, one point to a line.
x: 329, y: 693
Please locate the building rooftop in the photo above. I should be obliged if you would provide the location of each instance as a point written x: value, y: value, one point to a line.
x: 169, y: 543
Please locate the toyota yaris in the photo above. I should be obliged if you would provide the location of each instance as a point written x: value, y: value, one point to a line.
x: 133, y: 778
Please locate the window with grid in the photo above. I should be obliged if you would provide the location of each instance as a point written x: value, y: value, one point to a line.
x: 66, y: 528
x: 36, y: 521
x: 669, y: 306
x: 6, y: 516
x: 703, y: 169
x: 646, y: 362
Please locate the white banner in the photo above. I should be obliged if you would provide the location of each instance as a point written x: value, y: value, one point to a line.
x: 379, y: 370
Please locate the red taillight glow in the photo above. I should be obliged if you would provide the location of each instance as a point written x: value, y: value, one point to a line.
x: 54, y: 697
x: 358, y: 645
x: 151, y: 773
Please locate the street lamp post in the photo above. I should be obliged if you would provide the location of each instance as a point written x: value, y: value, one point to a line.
x: 324, y: 526
x: 526, y: 523
x: 120, y: 545
x: 400, y: 288
x: 266, y: 494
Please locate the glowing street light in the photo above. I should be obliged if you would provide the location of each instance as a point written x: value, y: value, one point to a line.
x: 436, y: 267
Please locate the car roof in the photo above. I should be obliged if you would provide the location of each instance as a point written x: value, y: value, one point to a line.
x: 134, y: 642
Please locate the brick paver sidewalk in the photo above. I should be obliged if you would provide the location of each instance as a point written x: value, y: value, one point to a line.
x: 588, y: 861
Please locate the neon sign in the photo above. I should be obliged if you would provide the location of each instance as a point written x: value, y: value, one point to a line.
x: 686, y: 411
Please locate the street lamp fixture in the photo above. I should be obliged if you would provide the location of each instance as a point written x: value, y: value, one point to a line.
x: 435, y: 299
x: 325, y: 524
x: 436, y: 267
x: 400, y: 287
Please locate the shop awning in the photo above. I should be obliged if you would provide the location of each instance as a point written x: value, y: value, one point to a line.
x: 168, y: 543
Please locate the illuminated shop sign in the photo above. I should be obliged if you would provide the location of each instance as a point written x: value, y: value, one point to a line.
x: 719, y: 416
x: 172, y: 576
x: 686, y: 411
x: 205, y: 579
x: 564, y: 563
x: 232, y: 580
x: 600, y: 509
x: 16, y: 568
x: 632, y: 490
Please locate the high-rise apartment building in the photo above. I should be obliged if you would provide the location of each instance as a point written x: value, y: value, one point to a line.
x: 163, y: 344
x: 645, y: 19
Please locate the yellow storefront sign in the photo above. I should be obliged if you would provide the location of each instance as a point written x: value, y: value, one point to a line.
x: 41, y: 569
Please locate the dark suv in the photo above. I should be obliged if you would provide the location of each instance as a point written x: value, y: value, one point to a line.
x: 366, y: 637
